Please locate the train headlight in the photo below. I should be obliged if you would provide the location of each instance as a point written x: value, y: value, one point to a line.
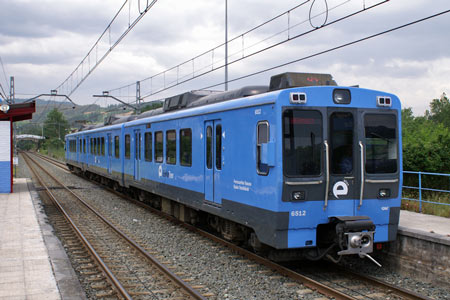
x: 342, y: 96
x: 298, y: 98
x: 298, y: 196
x: 384, y: 101
x: 384, y: 193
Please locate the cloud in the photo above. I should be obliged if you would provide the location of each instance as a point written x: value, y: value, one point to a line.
x: 41, y: 42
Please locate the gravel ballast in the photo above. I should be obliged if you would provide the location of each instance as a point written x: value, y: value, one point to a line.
x: 226, y: 275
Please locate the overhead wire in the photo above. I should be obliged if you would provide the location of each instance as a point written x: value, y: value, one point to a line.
x: 207, y: 67
x: 267, y: 48
x: 218, y: 46
x: 4, y: 74
x: 111, y: 47
x: 2, y: 95
x: 326, y: 14
x: 335, y: 48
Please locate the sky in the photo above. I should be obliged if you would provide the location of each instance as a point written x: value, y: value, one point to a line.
x: 42, y: 42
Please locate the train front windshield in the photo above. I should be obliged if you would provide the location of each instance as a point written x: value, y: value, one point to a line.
x: 381, y: 143
x: 303, y: 143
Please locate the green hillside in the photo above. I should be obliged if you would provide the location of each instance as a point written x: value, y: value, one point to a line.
x: 77, y: 117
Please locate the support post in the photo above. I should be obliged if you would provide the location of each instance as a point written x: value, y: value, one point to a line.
x: 138, y: 97
x: 12, y: 93
x: 420, y: 192
x: 226, y: 45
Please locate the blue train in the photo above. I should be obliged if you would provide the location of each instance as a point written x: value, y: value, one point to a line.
x: 301, y: 167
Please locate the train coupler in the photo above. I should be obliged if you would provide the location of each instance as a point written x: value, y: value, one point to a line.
x: 355, y: 235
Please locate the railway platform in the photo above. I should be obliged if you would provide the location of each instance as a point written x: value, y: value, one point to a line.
x: 422, y: 224
x: 422, y: 248
x: 33, y: 263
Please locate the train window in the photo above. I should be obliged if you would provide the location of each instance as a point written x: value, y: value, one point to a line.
x: 95, y: 146
x: 148, y: 146
x: 84, y: 145
x: 381, y: 143
x: 341, y: 143
x: 159, y: 146
x: 219, y: 147
x: 102, y: 143
x: 209, y: 147
x: 171, y: 147
x: 302, y: 142
x: 186, y: 147
x: 116, y: 146
x: 262, y: 132
x: 127, y: 146
x: 91, y: 146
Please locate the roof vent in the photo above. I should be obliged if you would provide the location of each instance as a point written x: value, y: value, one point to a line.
x: 182, y: 100
x: 230, y: 95
x: 289, y: 80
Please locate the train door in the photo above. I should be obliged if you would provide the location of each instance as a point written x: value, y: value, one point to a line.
x: 380, y: 166
x: 109, y: 154
x: 88, y: 150
x: 343, y: 153
x: 213, y: 160
x: 137, y: 154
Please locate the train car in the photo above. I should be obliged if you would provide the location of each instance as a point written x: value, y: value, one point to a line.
x: 302, y: 167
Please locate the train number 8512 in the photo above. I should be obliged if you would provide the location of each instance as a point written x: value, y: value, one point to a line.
x: 298, y: 213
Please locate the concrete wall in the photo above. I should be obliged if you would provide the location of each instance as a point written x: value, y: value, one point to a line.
x: 420, y: 255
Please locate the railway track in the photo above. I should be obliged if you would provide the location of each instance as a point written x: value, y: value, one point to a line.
x: 121, y: 267
x: 53, y: 161
x: 331, y: 281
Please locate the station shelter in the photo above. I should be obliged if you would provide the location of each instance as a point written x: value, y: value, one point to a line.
x: 10, y: 113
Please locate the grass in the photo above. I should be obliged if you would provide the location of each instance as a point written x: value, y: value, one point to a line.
x: 57, y: 153
x: 427, y: 208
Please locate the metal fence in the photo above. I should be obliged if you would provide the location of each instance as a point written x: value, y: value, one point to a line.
x: 422, y: 186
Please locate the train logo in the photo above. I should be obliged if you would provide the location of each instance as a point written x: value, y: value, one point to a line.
x: 340, y: 188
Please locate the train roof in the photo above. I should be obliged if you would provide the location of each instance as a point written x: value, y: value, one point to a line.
x: 199, y: 102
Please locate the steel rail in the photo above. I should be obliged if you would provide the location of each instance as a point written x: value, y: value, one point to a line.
x: 53, y: 161
x: 115, y: 282
x: 173, y: 277
x: 308, y: 282
x: 311, y: 283
x: 399, y: 291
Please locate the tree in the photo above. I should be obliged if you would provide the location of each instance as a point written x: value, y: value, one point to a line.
x: 151, y: 106
x: 440, y: 110
x: 55, y: 125
x: 426, y: 144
